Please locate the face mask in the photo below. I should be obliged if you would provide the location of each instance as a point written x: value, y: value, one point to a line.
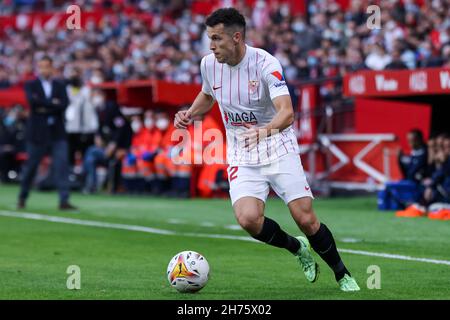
x: 9, y: 121
x: 162, y: 124
x: 298, y: 26
x: 149, y: 123
x: 327, y: 34
x: 118, y: 69
x: 312, y: 61
x: 185, y: 46
x: 334, y: 24
x: 390, y: 25
x: 98, y: 101
x: 284, y: 10
x: 260, y: 5
x: 333, y: 59
x: 136, y: 126
x: 348, y: 33
x: 96, y: 80
x: 425, y: 52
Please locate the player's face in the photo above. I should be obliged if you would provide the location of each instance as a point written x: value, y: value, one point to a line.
x: 223, y: 43
x: 44, y: 69
x: 413, y: 141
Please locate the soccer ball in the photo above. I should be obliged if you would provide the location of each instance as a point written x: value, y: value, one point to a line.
x: 188, y: 271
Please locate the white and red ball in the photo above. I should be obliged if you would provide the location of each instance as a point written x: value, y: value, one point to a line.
x: 188, y: 271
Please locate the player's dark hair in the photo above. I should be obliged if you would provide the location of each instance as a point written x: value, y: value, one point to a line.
x: 229, y: 17
x: 46, y: 58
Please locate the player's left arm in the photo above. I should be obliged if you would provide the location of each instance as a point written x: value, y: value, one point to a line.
x: 272, y: 77
x: 283, y: 118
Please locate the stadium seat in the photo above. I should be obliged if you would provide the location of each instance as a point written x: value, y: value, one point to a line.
x: 397, y: 195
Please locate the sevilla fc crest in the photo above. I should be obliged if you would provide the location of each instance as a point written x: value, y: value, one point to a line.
x: 253, y: 86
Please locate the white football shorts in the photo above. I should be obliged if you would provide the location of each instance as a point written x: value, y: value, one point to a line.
x: 285, y: 176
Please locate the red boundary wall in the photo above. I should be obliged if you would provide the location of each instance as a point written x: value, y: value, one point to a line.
x: 385, y: 84
x: 374, y: 112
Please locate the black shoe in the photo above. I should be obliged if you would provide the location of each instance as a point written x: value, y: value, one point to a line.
x: 67, y: 206
x: 21, y: 204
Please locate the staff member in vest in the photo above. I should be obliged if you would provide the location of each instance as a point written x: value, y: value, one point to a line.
x: 45, y: 131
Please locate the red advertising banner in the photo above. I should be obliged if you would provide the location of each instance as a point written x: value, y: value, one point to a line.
x: 307, y: 122
x: 374, y: 117
x: 37, y: 21
x: 205, y: 7
x: 46, y: 21
x: 398, y: 83
x: 11, y: 96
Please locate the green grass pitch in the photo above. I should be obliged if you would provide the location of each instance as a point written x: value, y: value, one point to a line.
x: 125, y: 264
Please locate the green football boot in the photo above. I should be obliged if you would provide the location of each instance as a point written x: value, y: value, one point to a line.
x: 348, y: 284
x: 306, y: 260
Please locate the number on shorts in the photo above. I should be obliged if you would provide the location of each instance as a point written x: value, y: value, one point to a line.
x: 233, y: 173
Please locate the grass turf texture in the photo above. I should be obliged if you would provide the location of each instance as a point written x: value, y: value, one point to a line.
x: 121, y: 264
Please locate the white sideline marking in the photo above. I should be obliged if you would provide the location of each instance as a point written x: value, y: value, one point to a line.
x: 233, y: 227
x: 207, y: 224
x: 100, y: 224
x: 395, y: 256
x: 175, y: 221
x: 350, y: 240
x: 91, y: 223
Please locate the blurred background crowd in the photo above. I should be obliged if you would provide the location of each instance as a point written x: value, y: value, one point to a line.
x: 326, y: 41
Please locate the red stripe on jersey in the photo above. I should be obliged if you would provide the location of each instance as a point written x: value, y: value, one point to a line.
x: 214, y: 73
x: 235, y: 146
x: 206, y: 75
x: 239, y: 90
x: 221, y: 85
x: 257, y: 55
x: 264, y: 60
x: 230, y: 86
x: 292, y: 144
x: 248, y: 75
x: 290, y: 140
x: 282, y: 140
x: 274, y: 148
x: 257, y: 150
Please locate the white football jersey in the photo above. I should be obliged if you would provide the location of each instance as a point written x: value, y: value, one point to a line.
x: 244, y: 93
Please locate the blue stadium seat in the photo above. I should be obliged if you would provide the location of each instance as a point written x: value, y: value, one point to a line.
x: 397, y: 195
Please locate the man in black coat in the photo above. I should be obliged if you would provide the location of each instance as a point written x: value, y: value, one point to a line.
x: 414, y: 166
x: 45, y: 131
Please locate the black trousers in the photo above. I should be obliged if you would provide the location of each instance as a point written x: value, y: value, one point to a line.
x: 60, y: 163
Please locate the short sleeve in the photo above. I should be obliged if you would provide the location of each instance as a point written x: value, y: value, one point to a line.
x: 206, y: 87
x: 274, y: 77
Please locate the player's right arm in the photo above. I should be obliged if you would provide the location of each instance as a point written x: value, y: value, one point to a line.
x: 202, y: 103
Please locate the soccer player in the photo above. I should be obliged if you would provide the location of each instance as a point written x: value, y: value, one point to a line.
x: 262, y: 149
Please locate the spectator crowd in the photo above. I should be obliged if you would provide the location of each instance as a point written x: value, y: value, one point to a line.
x: 135, y: 150
x: 326, y: 41
x: 426, y: 170
x: 117, y: 150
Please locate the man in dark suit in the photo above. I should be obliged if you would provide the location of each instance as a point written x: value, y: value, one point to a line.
x: 45, y: 131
